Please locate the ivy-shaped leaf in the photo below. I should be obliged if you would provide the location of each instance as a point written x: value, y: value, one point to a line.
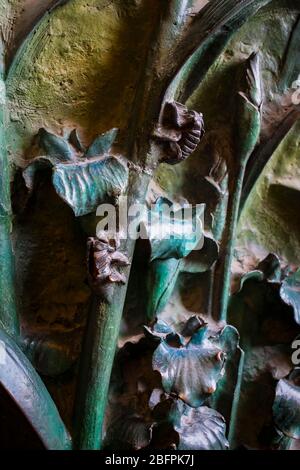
x: 191, y: 370
x: 85, y: 185
x: 173, y: 233
x: 85, y: 182
x: 290, y: 293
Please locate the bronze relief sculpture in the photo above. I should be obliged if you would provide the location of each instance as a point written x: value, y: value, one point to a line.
x: 167, y: 326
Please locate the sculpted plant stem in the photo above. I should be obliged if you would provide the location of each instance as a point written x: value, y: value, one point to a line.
x: 100, y: 345
x: 221, y: 288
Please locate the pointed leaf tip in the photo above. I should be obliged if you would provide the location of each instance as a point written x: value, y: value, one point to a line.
x: 102, y: 143
x: 54, y: 146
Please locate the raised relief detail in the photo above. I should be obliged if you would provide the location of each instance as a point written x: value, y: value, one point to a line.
x: 179, y: 132
x: 104, y: 261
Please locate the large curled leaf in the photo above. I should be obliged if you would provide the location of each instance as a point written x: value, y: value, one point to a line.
x: 286, y: 408
x: 198, y: 428
x: 25, y: 387
x: 85, y: 184
x: 191, y: 370
x: 174, y: 233
x: 290, y: 293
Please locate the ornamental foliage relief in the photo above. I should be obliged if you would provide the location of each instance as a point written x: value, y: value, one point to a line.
x: 150, y: 224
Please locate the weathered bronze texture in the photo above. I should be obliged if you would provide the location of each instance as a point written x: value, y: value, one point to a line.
x: 187, y: 337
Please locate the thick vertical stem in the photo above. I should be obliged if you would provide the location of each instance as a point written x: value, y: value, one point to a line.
x: 223, y: 269
x: 95, y: 369
x: 100, y: 345
x: 8, y: 311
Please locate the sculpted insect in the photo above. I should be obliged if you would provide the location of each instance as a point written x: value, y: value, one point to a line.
x: 179, y: 132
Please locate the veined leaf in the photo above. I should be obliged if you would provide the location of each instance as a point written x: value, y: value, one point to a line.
x: 84, y: 184
x: 198, y: 428
x: 25, y: 387
x: 193, y: 370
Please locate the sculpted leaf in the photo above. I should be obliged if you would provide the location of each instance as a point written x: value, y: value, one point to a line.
x: 102, y: 144
x: 198, y: 428
x: 290, y: 293
x: 173, y: 233
x: 84, y: 185
x: 81, y: 180
x: 54, y: 146
x: 286, y: 408
x: 191, y: 371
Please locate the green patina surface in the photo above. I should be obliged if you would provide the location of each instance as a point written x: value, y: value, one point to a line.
x: 79, y: 69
